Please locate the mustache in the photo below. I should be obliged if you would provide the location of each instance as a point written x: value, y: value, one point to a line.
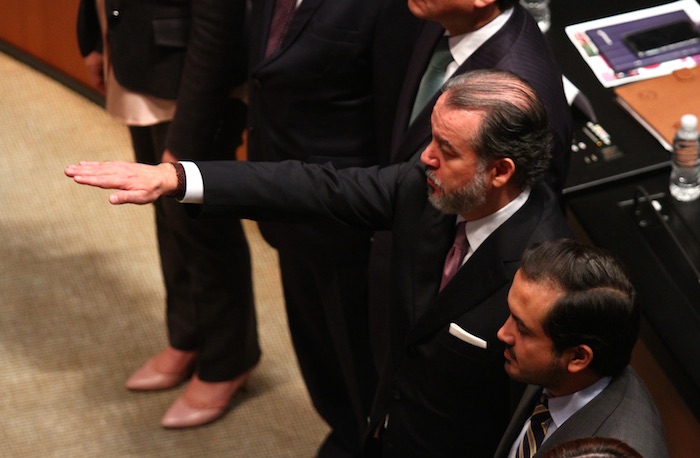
x: 430, y: 173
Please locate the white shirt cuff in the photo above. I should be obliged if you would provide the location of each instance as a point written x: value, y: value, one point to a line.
x: 194, y: 190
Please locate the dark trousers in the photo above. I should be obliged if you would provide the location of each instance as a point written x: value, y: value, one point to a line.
x: 207, y: 274
x: 326, y: 300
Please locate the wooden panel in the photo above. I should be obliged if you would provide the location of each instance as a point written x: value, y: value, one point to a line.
x: 45, y: 30
x: 682, y: 427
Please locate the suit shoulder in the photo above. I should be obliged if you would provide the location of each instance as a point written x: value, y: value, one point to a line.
x: 552, y: 223
x: 635, y: 419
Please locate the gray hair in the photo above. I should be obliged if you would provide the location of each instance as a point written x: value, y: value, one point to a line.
x: 515, y: 121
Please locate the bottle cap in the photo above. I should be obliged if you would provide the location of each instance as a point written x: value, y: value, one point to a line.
x: 689, y: 122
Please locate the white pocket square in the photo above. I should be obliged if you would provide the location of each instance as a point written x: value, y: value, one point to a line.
x: 465, y: 336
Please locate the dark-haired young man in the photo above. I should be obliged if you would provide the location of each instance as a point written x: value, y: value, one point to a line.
x: 570, y: 334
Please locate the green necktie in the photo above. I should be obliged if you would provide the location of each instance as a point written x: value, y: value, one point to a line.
x: 433, y: 77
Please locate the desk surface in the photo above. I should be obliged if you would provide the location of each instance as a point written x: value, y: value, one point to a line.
x: 664, y: 270
x: 641, y: 153
x: 601, y: 200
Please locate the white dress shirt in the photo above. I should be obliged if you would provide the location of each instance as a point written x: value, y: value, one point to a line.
x: 478, y: 230
x: 463, y: 46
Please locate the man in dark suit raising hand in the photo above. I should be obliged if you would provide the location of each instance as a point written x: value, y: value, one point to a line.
x: 443, y: 391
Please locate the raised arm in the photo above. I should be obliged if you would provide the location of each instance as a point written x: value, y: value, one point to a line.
x: 288, y: 190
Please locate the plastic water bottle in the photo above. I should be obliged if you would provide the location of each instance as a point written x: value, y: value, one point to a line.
x: 685, y: 168
x: 539, y: 9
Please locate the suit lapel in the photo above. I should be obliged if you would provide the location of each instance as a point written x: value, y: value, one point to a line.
x: 301, y: 17
x: 584, y: 423
x: 261, y: 17
x: 492, y: 52
x: 430, y: 257
x: 409, y: 139
x: 522, y: 413
x: 473, y: 283
x: 587, y: 421
x: 488, y: 55
x: 484, y: 272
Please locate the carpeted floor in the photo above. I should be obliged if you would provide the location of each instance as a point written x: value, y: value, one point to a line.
x: 81, y: 304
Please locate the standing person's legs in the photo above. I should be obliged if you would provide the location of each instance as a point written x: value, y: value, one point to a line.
x: 210, y: 306
x: 173, y: 365
x: 217, y: 261
x: 326, y: 309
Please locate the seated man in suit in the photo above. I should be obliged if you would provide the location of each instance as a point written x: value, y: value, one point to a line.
x: 442, y: 391
x: 573, y: 322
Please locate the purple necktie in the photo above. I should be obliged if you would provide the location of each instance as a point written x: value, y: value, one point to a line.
x: 455, y: 256
x: 281, y: 17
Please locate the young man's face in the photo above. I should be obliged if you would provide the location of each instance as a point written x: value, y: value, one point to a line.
x: 530, y: 355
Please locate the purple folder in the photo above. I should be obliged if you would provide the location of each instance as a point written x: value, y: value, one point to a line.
x: 610, y: 43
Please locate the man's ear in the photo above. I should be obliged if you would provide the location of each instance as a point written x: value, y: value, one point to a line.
x: 502, y: 172
x: 579, y: 358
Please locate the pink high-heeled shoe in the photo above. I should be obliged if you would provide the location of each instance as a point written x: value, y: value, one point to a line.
x: 151, y: 376
x: 193, y: 408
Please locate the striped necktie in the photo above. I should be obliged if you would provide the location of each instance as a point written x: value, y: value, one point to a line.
x: 539, y: 422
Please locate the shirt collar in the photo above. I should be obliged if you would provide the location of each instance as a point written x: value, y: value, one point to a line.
x: 479, y: 230
x: 463, y: 46
x: 563, y: 407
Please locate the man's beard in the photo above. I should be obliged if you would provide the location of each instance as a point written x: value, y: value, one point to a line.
x: 464, y: 199
x: 552, y: 376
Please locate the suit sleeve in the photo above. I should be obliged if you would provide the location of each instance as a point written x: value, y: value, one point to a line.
x: 395, y: 34
x: 88, y: 28
x: 215, y: 63
x: 296, y: 191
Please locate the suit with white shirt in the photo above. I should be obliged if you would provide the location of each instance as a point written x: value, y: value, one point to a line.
x: 516, y: 45
x: 623, y: 410
x: 443, y: 396
x: 328, y: 95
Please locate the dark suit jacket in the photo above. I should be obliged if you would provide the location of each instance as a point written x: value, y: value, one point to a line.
x: 189, y: 50
x: 624, y: 410
x: 518, y: 47
x: 328, y: 95
x: 434, y: 385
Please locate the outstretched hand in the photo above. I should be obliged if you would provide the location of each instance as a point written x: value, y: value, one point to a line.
x: 136, y: 183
